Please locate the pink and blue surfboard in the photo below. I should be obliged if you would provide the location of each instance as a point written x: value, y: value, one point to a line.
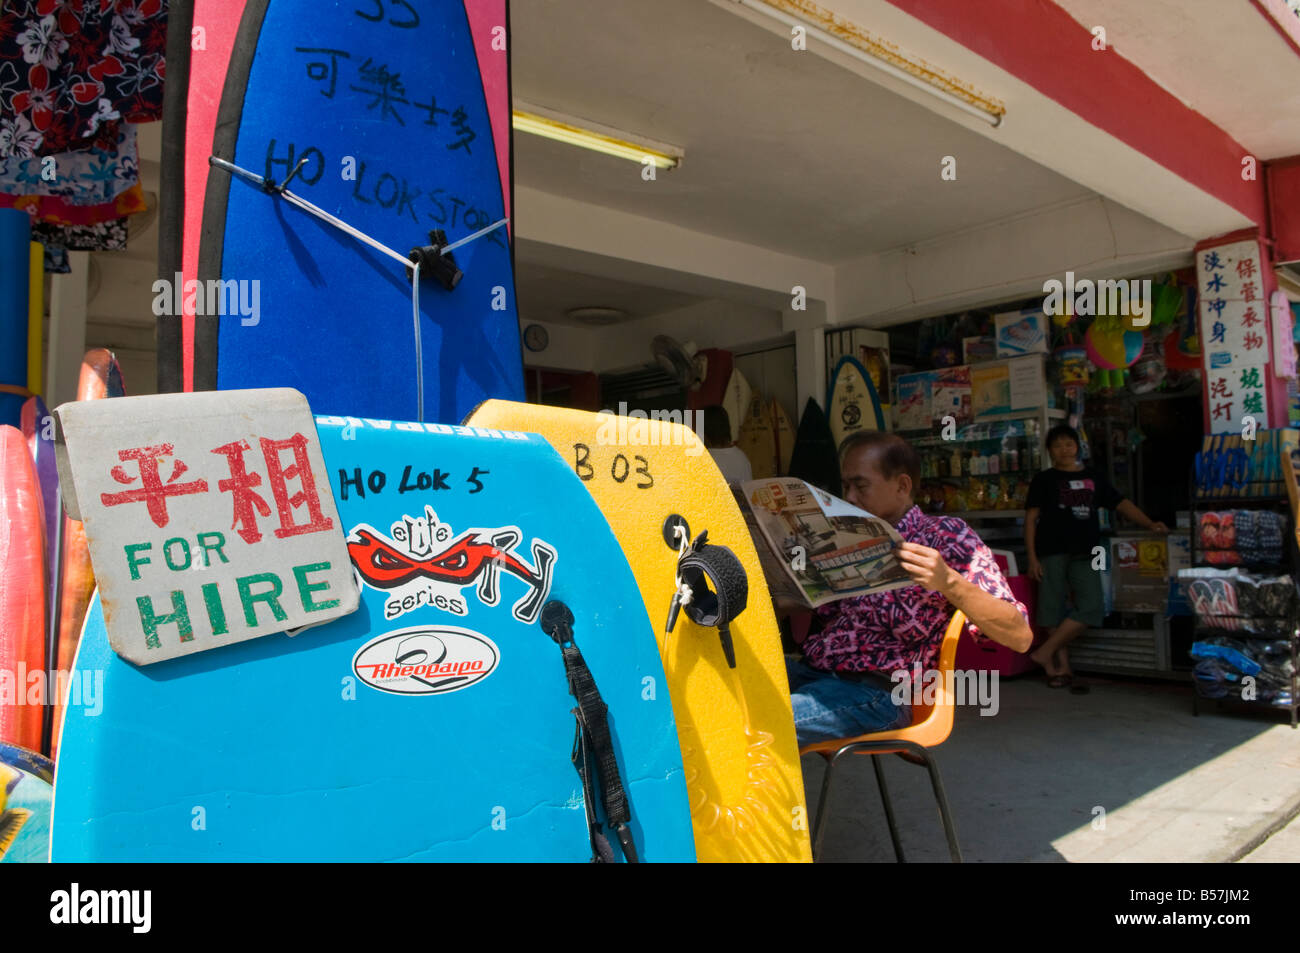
x: 401, y: 110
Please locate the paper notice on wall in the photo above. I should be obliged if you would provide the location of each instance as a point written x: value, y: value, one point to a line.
x: 1026, y: 383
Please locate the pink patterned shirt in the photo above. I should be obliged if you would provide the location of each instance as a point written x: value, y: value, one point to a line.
x: 895, y: 629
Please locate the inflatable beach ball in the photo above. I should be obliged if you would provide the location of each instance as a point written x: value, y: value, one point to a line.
x: 1110, y: 346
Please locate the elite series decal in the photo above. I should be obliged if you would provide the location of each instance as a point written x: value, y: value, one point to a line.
x: 426, y: 661
x: 425, y: 563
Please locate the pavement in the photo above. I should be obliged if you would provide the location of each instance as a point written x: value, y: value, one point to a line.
x: 1124, y: 773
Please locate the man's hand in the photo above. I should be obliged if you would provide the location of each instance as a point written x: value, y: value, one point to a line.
x: 927, y: 568
x: 1001, y: 621
x: 1035, y: 570
x: 1158, y: 527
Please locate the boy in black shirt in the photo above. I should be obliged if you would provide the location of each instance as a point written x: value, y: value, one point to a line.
x: 1061, y: 531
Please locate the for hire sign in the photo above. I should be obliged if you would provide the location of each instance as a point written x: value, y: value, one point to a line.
x: 209, y: 517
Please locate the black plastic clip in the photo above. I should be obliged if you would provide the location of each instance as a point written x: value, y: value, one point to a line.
x: 434, y: 262
x: 270, y: 186
x: 557, y: 621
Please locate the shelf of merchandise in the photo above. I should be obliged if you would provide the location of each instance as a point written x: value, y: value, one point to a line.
x: 924, y: 440
x: 1290, y: 564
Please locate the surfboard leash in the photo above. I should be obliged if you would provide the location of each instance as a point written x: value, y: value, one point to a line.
x: 593, y: 746
x: 435, y: 257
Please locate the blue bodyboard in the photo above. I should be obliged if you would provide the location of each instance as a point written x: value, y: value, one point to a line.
x: 435, y: 723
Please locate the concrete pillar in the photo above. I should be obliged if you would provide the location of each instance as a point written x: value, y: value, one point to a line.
x: 809, y: 353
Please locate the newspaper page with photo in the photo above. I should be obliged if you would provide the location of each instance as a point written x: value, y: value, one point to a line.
x: 815, y: 548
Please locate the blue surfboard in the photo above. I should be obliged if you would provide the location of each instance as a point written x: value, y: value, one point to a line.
x: 435, y: 723
x: 385, y: 103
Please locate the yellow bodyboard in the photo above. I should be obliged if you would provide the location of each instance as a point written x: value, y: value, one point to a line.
x: 735, y: 727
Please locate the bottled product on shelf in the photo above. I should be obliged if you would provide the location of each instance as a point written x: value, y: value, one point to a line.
x: 985, y: 467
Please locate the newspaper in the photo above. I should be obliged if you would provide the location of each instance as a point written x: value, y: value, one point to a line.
x: 815, y: 548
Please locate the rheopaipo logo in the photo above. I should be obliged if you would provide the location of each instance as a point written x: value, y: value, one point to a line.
x: 227, y: 297
x: 426, y: 661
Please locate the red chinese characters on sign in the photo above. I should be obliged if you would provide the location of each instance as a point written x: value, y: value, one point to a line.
x: 241, y: 484
x: 307, y: 496
x: 153, y: 492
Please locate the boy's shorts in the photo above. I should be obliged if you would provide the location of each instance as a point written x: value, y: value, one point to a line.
x: 1073, y: 576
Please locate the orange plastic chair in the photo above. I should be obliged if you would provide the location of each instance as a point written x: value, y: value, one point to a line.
x: 930, y: 727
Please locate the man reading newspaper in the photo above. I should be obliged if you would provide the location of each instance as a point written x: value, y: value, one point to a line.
x: 843, y: 686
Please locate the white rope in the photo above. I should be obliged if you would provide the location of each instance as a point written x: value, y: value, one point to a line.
x: 473, y: 235
x: 683, y: 542
x: 316, y: 210
x: 313, y: 209
x: 419, y: 352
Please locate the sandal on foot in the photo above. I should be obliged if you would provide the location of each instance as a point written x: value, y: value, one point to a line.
x: 1058, y: 681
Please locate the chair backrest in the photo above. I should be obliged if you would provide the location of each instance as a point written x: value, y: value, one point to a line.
x: 931, y: 724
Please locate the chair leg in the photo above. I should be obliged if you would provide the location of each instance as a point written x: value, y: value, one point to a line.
x: 823, y: 801
x: 937, y: 783
x: 889, y: 809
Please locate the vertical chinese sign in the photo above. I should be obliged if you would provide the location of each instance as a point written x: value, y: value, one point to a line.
x: 1234, y: 335
x: 209, y: 517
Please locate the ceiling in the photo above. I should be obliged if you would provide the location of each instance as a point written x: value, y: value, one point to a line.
x: 547, y: 294
x: 1226, y: 59
x: 783, y: 149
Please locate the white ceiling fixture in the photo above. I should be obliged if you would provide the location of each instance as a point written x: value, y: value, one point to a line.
x: 540, y: 121
x: 853, y: 41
